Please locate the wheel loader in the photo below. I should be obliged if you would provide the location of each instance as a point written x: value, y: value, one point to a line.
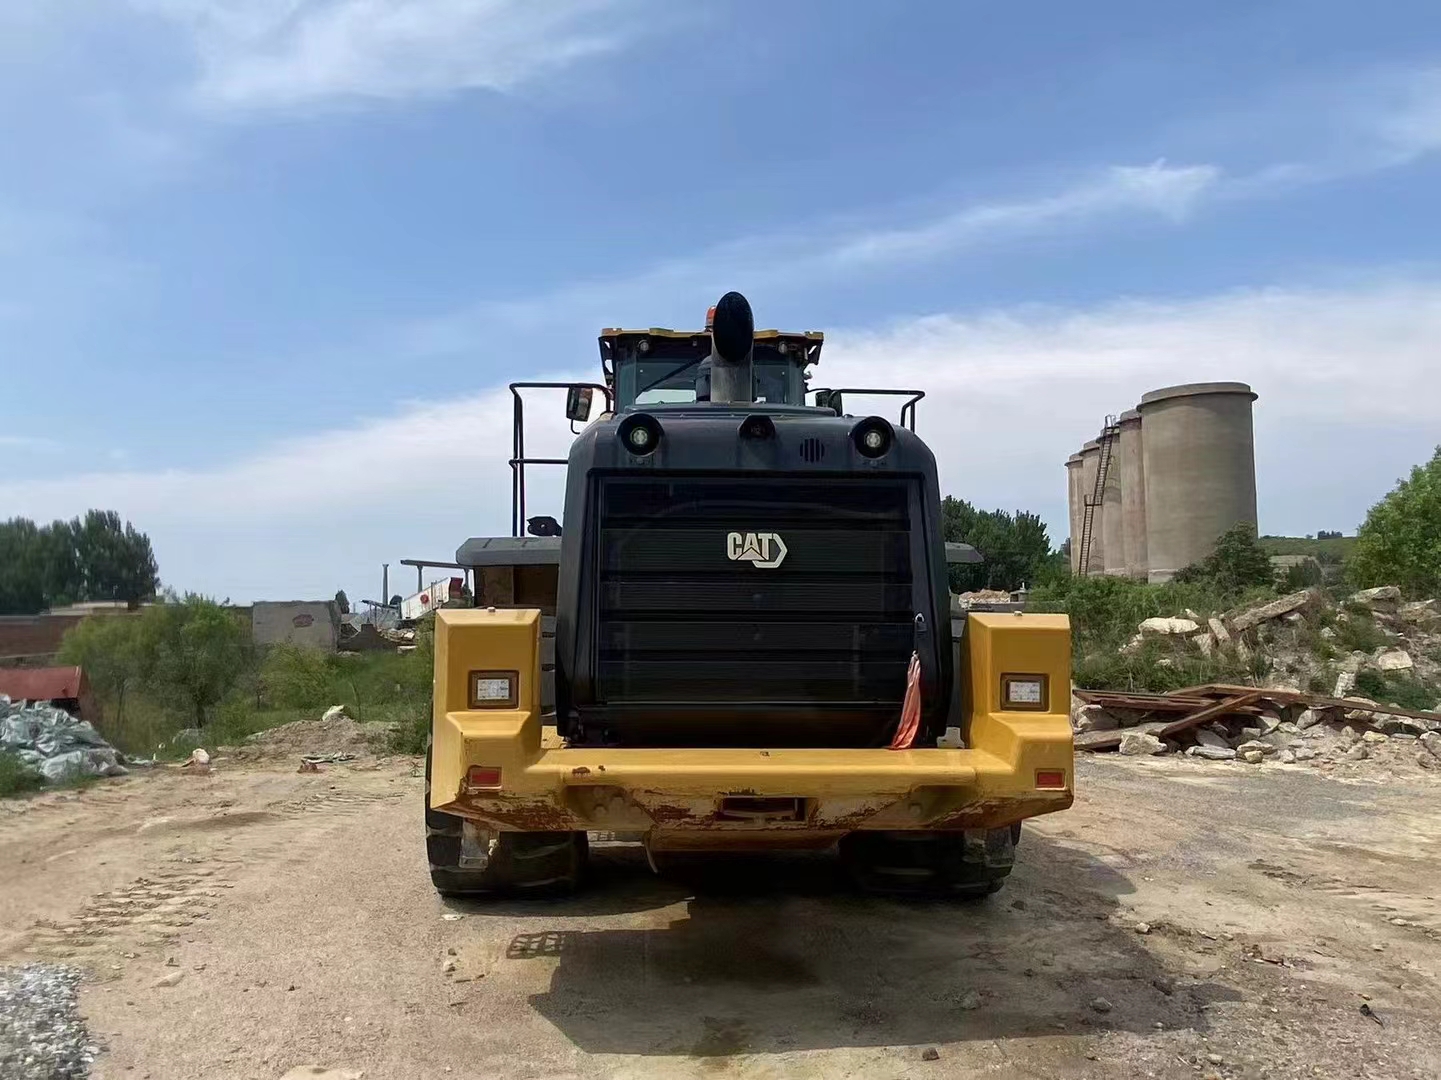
x: 738, y: 637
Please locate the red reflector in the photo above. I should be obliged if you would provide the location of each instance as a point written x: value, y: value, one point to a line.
x: 1051, y: 778
x: 483, y: 776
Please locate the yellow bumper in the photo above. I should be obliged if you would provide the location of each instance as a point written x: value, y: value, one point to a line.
x: 495, y: 764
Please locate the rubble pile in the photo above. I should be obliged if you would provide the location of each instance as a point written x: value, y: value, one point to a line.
x: 54, y: 743
x: 1279, y: 722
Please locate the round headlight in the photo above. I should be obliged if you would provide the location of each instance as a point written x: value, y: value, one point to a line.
x: 639, y: 434
x: 873, y: 436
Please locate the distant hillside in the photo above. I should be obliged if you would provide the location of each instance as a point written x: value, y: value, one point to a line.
x: 1324, y: 551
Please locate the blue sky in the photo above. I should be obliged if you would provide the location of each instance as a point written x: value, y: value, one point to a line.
x: 266, y: 265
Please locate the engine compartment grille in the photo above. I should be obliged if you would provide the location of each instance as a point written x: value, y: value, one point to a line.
x: 684, y: 612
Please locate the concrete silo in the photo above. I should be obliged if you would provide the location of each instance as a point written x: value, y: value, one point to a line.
x: 1090, y: 460
x: 1073, y: 504
x: 1131, y: 466
x: 1199, y: 466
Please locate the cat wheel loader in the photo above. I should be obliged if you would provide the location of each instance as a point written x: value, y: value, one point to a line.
x: 738, y: 637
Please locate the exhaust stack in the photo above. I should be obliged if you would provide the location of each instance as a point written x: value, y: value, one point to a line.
x: 732, y: 340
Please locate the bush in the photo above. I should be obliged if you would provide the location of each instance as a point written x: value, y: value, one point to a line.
x: 292, y: 677
x: 1238, y: 563
x: 1358, y: 632
x: 17, y: 778
x: 1400, y: 541
x: 1392, y: 688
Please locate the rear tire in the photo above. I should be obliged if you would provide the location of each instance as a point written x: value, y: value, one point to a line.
x: 964, y: 866
x: 526, y: 863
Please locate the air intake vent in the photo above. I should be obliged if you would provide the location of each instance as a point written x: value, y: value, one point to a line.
x: 812, y: 450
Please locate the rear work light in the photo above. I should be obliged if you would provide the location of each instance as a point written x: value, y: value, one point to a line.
x: 1051, y: 779
x: 483, y: 776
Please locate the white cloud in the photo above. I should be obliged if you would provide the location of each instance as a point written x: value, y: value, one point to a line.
x: 259, y: 54
x: 1347, y: 381
x: 780, y: 263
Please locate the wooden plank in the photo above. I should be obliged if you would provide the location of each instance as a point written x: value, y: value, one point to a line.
x: 1211, y: 712
x: 1106, y: 740
x: 1319, y: 701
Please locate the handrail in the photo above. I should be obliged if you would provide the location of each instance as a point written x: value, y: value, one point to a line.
x: 518, y: 460
x: 909, y: 408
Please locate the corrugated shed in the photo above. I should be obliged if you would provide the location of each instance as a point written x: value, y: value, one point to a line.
x: 43, y: 684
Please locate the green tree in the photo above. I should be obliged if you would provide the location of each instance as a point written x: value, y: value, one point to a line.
x: 195, y: 652
x: 116, y: 561
x: 1400, y: 541
x: 1015, y: 547
x: 22, y: 568
x: 1237, y: 563
x: 91, y: 558
x: 108, y: 647
x: 342, y: 602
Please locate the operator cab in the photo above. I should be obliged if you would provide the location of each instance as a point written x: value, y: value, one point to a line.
x: 646, y: 368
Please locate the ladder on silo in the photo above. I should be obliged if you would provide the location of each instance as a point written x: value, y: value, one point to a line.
x: 1092, y: 499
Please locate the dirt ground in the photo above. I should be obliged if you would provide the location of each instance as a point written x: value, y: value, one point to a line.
x: 1184, y: 919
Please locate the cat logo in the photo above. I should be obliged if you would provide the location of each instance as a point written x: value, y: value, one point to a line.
x: 766, y: 550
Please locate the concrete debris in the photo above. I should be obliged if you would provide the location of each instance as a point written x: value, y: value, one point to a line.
x: 1211, y: 753
x: 1168, y: 626
x: 1384, y: 598
x: 1141, y: 744
x: 1093, y: 718
x: 1239, y: 621
x: 1405, y: 725
x: 1265, y: 749
x: 1206, y: 643
x: 1219, y: 723
x: 1218, y: 628
x: 1394, y: 660
x: 55, y: 744
x: 334, y: 712
x: 1345, y: 683
x: 1425, y: 614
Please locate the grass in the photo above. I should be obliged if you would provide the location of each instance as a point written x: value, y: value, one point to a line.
x: 17, y: 778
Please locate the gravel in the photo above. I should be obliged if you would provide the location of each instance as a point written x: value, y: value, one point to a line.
x: 41, y: 1034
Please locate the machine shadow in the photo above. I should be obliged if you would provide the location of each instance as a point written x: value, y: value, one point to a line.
x: 780, y: 954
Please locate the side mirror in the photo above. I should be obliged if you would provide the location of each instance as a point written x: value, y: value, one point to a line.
x: 577, y: 403
x: 830, y: 399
